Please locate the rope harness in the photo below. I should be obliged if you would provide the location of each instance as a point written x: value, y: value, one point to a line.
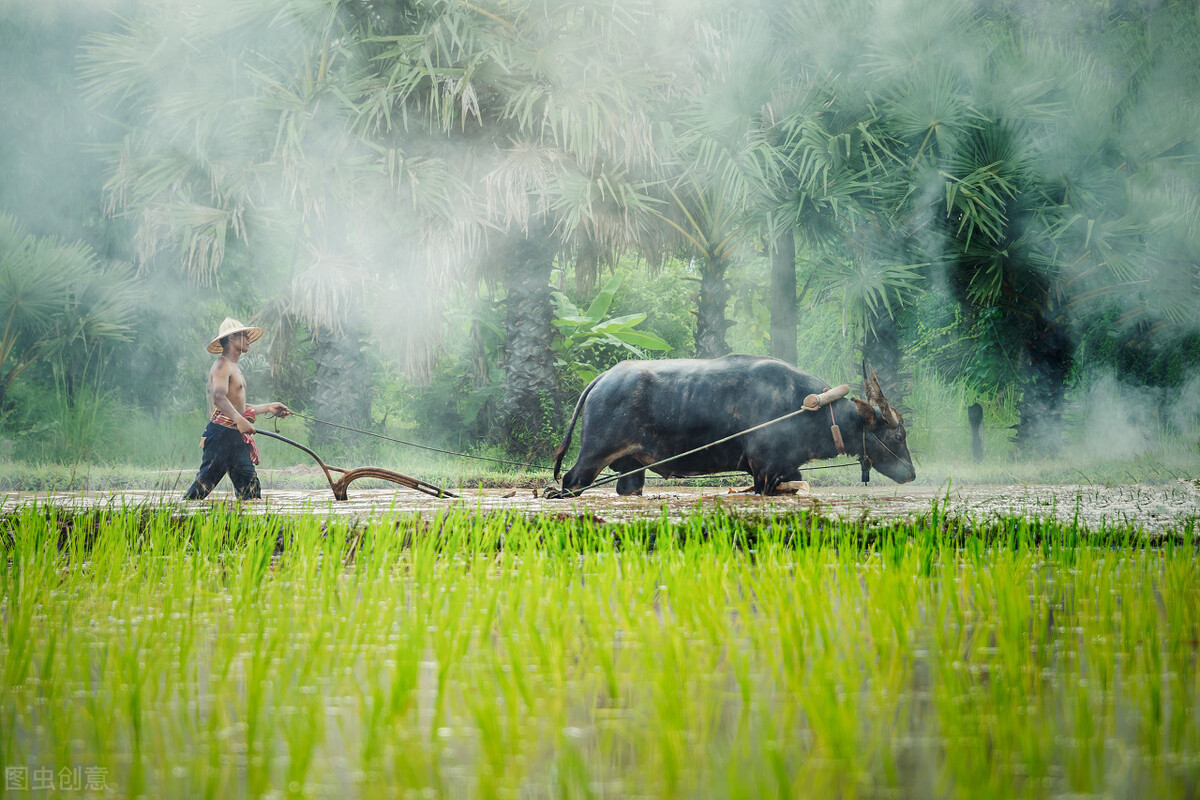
x: 837, y: 433
x: 885, y: 447
x: 864, y: 460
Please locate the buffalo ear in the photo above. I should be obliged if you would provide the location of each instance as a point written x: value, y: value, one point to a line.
x: 865, y: 411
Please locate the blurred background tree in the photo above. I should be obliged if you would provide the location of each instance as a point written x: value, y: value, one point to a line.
x: 999, y: 195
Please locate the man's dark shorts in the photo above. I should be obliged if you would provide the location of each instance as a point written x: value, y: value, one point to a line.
x: 225, y: 453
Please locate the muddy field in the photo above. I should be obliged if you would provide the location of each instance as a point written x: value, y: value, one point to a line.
x: 1157, y: 508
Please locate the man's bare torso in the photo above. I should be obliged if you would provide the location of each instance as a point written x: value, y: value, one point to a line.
x: 226, y: 375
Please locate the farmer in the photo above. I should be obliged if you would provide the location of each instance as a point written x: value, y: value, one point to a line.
x: 228, y: 441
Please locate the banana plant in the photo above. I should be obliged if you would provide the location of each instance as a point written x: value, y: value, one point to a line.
x: 580, y: 334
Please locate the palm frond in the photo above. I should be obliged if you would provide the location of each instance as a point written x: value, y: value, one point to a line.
x: 931, y: 110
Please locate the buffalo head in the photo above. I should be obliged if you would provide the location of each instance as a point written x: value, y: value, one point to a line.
x: 883, y: 432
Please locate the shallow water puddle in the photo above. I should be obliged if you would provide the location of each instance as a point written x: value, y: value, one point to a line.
x: 1156, y: 508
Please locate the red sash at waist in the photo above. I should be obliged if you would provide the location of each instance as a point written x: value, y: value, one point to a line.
x: 226, y: 422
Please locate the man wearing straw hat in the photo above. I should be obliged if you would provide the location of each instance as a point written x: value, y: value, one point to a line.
x: 228, y: 441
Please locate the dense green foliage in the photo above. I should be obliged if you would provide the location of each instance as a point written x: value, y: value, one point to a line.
x: 475, y: 655
x: 995, y: 195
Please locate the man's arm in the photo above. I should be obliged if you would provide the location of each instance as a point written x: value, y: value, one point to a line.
x: 276, y: 408
x: 219, y: 380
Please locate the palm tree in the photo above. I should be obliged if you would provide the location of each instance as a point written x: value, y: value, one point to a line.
x: 1020, y: 173
x: 812, y: 198
x: 839, y: 167
x: 546, y: 109
x: 833, y: 202
x: 248, y: 163
x: 722, y: 159
x: 58, y: 303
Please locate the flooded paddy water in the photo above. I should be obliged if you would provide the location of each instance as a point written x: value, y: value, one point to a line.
x: 1156, y: 508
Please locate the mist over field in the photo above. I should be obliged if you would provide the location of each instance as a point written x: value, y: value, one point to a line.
x: 992, y: 202
x: 450, y: 218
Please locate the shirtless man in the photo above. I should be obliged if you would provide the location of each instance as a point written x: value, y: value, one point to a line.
x: 228, y: 441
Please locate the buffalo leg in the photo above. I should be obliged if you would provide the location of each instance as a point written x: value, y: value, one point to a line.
x: 580, y: 476
x: 630, y: 484
x: 767, y: 481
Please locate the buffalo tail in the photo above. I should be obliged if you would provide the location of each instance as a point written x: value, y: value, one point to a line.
x: 561, y: 452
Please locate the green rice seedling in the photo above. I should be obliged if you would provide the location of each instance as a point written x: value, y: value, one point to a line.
x: 498, y: 655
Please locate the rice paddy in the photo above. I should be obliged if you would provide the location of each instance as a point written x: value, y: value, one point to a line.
x: 152, y: 652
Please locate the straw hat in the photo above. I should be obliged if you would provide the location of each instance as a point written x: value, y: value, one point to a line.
x: 230, y: 326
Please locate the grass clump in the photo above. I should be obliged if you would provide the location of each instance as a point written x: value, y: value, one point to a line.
x: 499, y: 655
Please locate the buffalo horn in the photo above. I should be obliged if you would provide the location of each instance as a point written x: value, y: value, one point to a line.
x: 875, y: 396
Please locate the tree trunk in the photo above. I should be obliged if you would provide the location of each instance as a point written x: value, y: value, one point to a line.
x: 341, y: 393
x: 530, y: 413
x: 1051, y: 354
x: 783, y: 297
x: 710, y: 309
x: 587, y: 268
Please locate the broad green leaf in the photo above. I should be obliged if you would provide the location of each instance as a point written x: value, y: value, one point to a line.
x: 603, y: 300
x: 643, y: 339
x: 629, y: 320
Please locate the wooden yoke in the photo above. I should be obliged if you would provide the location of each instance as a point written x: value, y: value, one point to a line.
x: 815, y: 401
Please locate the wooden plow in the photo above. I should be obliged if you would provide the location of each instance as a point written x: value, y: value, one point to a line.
x: 348, y: 476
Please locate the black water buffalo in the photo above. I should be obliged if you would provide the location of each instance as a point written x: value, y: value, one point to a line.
x: 640, y: 412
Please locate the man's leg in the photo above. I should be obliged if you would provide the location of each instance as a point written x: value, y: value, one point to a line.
x: 212, y: 465
x: 243, y: 474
